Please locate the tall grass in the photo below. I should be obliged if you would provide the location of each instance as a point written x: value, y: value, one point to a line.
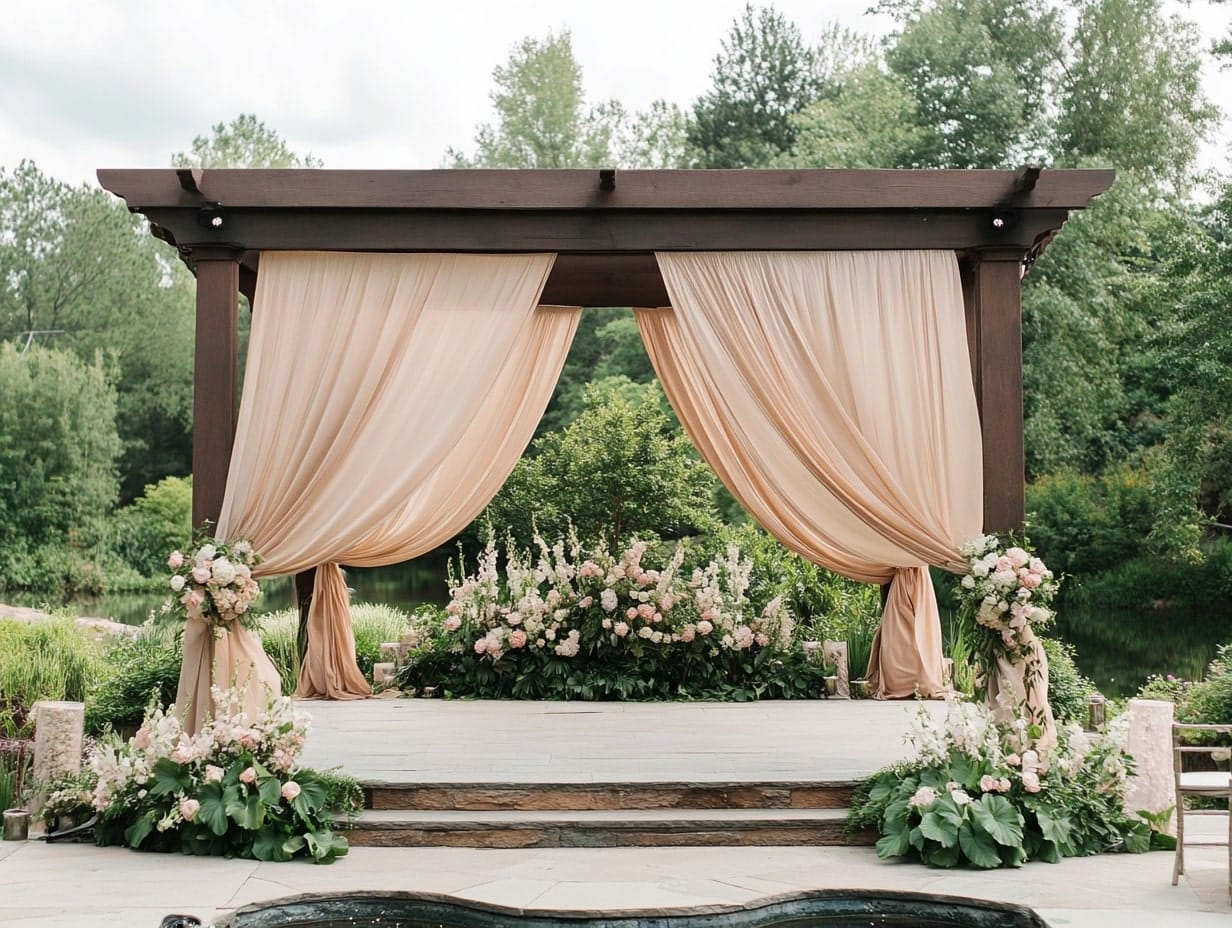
x: 15, y: 772
x: 372, y: 624
x: 52, y: 660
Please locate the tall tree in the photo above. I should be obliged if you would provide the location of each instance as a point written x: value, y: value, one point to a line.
x: 1131, y: 94
x: 763, y: 75
x: 542, y: 118
x: 58, y: 448
x: 244, y: 142
x: 77, y: 271
x: 979, y: 71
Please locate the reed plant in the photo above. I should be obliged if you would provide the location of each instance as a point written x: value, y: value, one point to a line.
x: 372, y: 624
x: 52, y: 660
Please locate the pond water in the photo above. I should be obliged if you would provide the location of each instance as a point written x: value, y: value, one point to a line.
x: 1120, y: 648
x: 405, y: 586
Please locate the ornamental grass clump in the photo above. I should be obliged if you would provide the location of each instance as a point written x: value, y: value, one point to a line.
x: 234, y: 789
x: 986, y: 795
x: 573, y: 623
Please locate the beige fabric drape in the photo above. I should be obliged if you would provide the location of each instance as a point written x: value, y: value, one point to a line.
x: 386, y: 399
x: 832, y: 394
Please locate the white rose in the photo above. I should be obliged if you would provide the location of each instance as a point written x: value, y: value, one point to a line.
x: 206, y: 553
x: 968, y: 582
x: 224, y: 571
x: 177, y: 583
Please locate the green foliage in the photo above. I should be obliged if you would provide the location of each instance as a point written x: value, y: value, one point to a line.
x: 1068, y: 689
x: 74, y: 264
x: 373, y: 625
x: 976, y: 797
x: 764, y: 74
x: 245, y: 142
x: 58, y: 447
x: 1202, y: 702
x: 137, y: 671
x: 52, y: 660
x: 1085, y: 524
x: 153, y: 525
x: 1131, y: 93
x: 1155, y: 582
x: 16, y: 772
x: 615, y: 471
x: 977, y: 70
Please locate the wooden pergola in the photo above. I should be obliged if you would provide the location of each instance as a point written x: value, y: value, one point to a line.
x: 605, y: 227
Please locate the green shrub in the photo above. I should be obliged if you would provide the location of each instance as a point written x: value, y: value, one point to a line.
x: 1082, y: 524
x: 52, y: 660
x: 1068, y: 689
x: 155, y: 524
x: 1153, y: 581
x: 138, y: 670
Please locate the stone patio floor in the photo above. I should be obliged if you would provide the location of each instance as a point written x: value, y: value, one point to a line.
x: 75, y: 886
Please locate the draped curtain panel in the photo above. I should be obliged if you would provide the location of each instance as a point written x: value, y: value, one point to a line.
x: 832, y: 394
x: 386, y: 399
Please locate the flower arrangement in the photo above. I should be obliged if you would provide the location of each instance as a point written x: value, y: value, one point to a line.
x: 233, y: 789
x: 70, y: 798
x: 614, y: 624
x: 981, y: 792
x: 1007, y: 591
x: 214, y: 583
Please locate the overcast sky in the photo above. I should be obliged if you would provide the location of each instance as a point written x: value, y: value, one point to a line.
x: 365, y: 83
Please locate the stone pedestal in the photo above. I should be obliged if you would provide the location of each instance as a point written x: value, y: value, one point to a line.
x: 383, y: 673
x: 1153, y: 787
x: 57, y: 741
x: 836, y: 653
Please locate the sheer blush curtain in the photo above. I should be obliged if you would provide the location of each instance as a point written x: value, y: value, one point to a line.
x: 832, y: 394
x: 386, y: 399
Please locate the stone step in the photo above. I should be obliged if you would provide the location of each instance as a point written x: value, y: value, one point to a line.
x: 623, y: 828
x: 491, y: 797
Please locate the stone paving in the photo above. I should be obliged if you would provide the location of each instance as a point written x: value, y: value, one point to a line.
x: 75, y: 886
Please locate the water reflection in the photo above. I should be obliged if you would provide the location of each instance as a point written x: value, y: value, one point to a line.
x: 1120, y: 648
x: 405, y: 586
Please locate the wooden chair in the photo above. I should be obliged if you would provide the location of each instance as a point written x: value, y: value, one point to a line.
x: 1209, y: 783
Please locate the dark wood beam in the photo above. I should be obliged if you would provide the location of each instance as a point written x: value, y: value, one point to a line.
x: 993, y: 289
x: 215, y: 403
x: 578, y: 189
x: 599, y: 232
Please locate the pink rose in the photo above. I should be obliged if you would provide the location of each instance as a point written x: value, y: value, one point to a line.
x: 585, y: 602
x: 453, y: 623
x: 201, y: 574
x: 481, y: 645
x: 213, y: 774
x: 1004, y: 564
x: 1017, y: 557
x: 517, y: 638
x: 988, y: 784
x: 188, y: 809
x: 621, y: 629
x: 631, y: 613
x: 249, y: 776
x: 290, y: 790
x: 176, y: 560
x: 1030, y: 781
x: 1003, y: 785
x: 1013, y: 760
x: 688, y: 633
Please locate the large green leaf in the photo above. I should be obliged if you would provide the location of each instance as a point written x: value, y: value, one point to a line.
x: 312, y: 797
x: 1054, y: 825
x: 270, y: 790
x: 170, y: 778
x: 893, y: 844
x: 139, y: 830
x: 978, y: 846
x: 941, y: 856
x: 998, y: 817
x: 966, y: 770
x: 213, y: 812
x: 269, y: 845
x: 246, y: 811
x: 941, y: 824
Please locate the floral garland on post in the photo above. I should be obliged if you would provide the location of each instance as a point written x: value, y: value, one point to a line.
x: 214, y: 583
x: 1007, y: 593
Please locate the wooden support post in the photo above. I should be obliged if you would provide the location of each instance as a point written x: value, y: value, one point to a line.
x: 215, y: 403
x: 304, y: 582
x: 992, y: 287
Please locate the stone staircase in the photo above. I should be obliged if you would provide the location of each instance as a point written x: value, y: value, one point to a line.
x: 525, y: 815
